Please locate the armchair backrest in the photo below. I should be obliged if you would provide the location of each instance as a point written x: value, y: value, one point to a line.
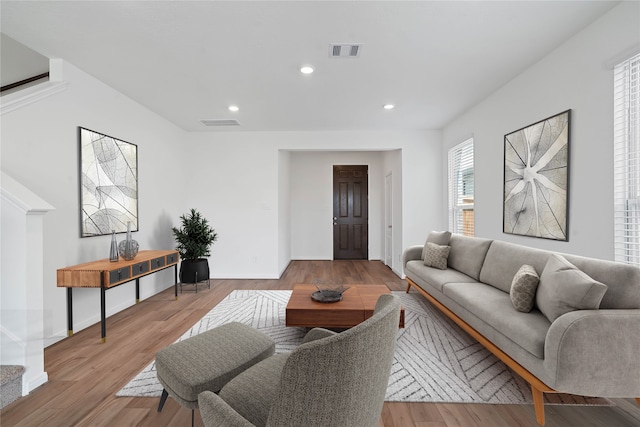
x: 340, y: 380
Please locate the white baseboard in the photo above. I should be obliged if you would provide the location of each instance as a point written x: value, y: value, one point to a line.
x: 398, y: 273
x: 246, y: 276
x: 29, y: 386
x: 58, y: 336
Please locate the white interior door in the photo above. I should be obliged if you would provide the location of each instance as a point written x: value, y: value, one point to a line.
x: 388, y: 221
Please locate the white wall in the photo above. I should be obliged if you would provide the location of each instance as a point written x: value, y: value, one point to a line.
x: 577, y: 76
x: 312, y: 201
x: 392, y: 164
x: 19, y: 62
x: 242, y: 183
x: 40, y: 150
x: 284, y: 210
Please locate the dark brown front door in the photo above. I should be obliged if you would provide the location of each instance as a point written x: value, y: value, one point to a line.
x: 350, y: 212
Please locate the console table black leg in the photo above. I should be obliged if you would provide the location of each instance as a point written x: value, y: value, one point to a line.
x: 103, y: 317
x: 137, y: 291
x: 69, y: 313
x: 175, y: 279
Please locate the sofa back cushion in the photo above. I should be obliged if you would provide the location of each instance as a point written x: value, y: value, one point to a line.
x: 503, y: 261
x: 439, y: 238
x: 564, y: 288
x: 467, y: 254
x: 622, y: 280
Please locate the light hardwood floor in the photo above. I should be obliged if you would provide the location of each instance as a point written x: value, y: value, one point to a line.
x: 85, y: 374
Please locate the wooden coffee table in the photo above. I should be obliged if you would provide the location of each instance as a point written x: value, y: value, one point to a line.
x: 357, y: 305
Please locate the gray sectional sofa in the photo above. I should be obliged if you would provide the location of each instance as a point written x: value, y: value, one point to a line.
x: 558, y: 346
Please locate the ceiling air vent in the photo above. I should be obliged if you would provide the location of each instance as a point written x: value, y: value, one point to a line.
x: 345, y: 50
x: 220, y: 122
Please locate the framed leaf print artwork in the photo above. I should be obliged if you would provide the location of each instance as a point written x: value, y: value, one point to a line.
x: 536, y: 163
x: 108, y: 184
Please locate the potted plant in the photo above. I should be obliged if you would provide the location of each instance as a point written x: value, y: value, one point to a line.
x: 194, y: 239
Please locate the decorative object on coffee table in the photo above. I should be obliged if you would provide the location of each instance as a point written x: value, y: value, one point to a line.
x: 536, y: 163
x: 194, y: 239
x: 328, y: 292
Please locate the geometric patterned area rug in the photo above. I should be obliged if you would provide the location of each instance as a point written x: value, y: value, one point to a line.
x: 435, y: 360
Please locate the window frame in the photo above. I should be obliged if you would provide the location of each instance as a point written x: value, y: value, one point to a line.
x: 461, y: 160
x: 627, y: 161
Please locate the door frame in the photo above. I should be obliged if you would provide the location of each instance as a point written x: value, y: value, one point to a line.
x: 351, y: 249
x: 388, y: 220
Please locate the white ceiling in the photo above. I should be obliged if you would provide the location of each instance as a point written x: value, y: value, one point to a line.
x: 189, y: 60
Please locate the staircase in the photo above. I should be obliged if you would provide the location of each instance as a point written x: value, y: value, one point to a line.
x: 22, y: 289
x: 10, y: 384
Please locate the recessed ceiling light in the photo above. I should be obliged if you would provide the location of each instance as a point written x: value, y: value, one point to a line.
x: 233, y: 108
x: 388, y: 106
x: 306, y: 70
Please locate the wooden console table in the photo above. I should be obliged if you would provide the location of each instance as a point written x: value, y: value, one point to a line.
x: 104, y: 274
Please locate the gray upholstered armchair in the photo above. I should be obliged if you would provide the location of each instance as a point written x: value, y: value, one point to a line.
x: 331, y: 379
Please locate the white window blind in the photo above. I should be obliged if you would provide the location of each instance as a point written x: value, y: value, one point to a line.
x: 627, y: 160
x: 461, y: 184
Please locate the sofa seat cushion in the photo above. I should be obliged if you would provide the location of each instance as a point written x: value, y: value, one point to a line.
x: 251, y: 393
x: 528, y: 330
x: 427, y: 277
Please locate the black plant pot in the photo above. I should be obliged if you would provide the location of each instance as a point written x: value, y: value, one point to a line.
x: 192, y: 271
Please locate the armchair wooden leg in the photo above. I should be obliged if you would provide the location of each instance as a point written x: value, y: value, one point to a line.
x: 408, y: 286
x: 638, y: 400
x: 538, y: 404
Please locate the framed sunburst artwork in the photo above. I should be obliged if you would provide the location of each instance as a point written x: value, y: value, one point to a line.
x: 536, y: 179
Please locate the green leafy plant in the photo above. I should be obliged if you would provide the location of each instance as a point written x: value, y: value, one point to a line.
x: 195, y: 237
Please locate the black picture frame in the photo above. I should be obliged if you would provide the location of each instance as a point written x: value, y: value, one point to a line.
x: 536, y: 179
x: 108, y: 171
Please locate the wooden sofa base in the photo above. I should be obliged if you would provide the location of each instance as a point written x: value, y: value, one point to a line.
x: 538, y: 388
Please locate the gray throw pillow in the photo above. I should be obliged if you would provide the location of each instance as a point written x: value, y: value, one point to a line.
x: 564, y: 288
x: 439, y: 238
x: 436, y: 255
x: 523, y: 288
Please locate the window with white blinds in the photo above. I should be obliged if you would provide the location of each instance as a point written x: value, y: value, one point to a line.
x: 461, y: 183
x: 627, y: 160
